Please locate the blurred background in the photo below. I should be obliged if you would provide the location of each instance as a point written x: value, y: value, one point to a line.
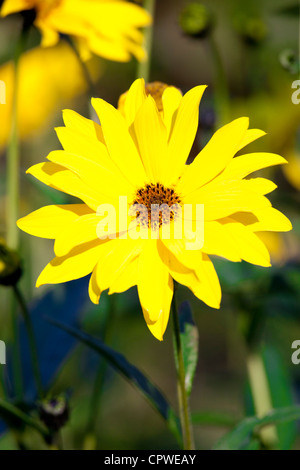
x: 247, y: 53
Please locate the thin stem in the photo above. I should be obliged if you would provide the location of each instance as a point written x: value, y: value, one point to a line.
x: 143, y: 70
x: 91, y: 86
x: 188, y: 438
x: 220, y: 85
x: 32, y: 342
x: 261, y: 396
x: 17, y: 413
x: 96, y: 399
x: 12, y: 208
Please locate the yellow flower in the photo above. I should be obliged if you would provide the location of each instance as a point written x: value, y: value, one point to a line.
x: 109, y: 28
x: 41, y: 91
x: 142, y: 156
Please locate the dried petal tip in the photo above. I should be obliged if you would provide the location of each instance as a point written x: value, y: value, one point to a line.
x: 10, y: 265
x: 196, y: 20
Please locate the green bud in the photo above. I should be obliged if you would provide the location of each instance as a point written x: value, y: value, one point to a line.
x: 252, y: 29
x: 54, y: 413
x: 10, y: 265
x: 196, y: 20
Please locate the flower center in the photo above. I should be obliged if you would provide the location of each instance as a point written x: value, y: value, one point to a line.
x: 159, y: 205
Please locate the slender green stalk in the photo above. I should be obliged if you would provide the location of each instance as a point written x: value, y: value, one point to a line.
x: 185, y: 419
x: 143, y: 70
x: 17, y: 413
x: 16, y: 354
x: 220, y: 85
x: 86, y: 73
x: 12, y: 208
x: 32, y: 342
x: 261, y: 396
x: 96, y: 398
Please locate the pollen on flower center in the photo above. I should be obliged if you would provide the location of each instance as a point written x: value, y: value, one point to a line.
x: 161, y: 204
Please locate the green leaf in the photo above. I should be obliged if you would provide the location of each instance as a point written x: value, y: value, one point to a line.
x: 241, y: 436
x: 131, y: 373
x: 189, y: 339
x: 213, y: 418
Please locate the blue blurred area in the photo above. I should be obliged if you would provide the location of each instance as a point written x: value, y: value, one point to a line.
x: 64, y: 303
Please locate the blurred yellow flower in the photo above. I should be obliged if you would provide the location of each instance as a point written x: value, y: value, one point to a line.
x: 142, y: 154
x: 41, y: 90
x: 108, y: 28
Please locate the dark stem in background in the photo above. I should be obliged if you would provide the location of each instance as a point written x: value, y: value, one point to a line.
x: 96, y: 399
x: 185, y: 419
x: 87, y: 76
x: 143, y: 70
x: 32, y: 342
x: 13, y: 197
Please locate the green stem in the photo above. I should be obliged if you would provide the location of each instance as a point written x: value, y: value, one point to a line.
x: 187, y: 431
x: 17, y: 413
x: 86, y: 73
x: 143, y: 70
x: 100, y: 377
x: 16, y: 354
x: 32, y: 342
x: 221, y: 92
x: 261, y: 395
x: 12, y: 208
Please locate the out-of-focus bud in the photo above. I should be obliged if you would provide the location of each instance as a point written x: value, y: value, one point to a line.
x: 289, y: 61
x: 196, y: 20
x: 54, y: 413
x: 252, y: 29
x: 10, y: 265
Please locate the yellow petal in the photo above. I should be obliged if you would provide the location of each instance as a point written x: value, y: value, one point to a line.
x: 105, y: 183
x: 215, y: 156
x: 203, y: 281
x: 50, y: 221
x: 217, y: 241
x: 134, y: 99
x: 78, y: 263
x: 13, y: 6
x: 243, y: 165
x: 222, y: 198
x: 269, y: 219
x: 153, y: 283
x: 115, y: 259
x: 94, y: 290
x: 64, y: 180
x: 171, y: 99
x: 127, y: 278
x: 119, y: 142
x: 250, y: 136
x: 183, y: 133
x: 249, y: 246
x: 152, y: 140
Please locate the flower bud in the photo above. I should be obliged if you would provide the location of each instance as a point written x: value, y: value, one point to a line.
x: 10, y: 265
x: 54, y: 413
x: 196, y: 20
x: 252, y: 29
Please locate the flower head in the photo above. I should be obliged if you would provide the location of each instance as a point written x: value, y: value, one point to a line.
x: 109, y: 28
x: 140, y: 155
